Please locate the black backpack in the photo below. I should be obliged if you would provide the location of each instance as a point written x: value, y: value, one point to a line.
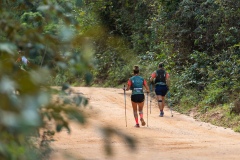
x: 160, y: 76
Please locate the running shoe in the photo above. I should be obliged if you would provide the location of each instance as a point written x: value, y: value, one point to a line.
x: 142, y: 121
x: 161, y: 114
x: 137, y: 125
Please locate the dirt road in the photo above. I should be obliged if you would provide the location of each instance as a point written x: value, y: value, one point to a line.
x: 168, y: 138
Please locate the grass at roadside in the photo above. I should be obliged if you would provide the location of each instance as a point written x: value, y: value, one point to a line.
x: 219, y: 115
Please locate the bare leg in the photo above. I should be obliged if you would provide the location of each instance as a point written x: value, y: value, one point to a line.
x: 140, y: 106
x: 159, y: 100
x: 135, y: 114
x: 140, y: 109
x: 161, y: 103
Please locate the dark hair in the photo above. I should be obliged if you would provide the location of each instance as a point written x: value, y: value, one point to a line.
x: 161, y: 65
x: 135, y: 69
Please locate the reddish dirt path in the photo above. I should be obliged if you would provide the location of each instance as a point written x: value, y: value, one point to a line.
x: 169, y: 138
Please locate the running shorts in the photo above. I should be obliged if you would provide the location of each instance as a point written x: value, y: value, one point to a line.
x: 161, y: 90
x: 137, y: 98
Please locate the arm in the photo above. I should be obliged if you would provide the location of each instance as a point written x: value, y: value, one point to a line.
x: 153, y: 76
x: 168, y: 80
x: 129, y: 83
x: 146, y: 86
x: 18, y: 60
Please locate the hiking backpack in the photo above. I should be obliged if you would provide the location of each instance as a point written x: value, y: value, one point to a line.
x: 160, y: 76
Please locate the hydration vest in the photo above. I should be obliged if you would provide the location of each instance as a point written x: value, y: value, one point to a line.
x: 160, y: 77
x: 137, y: 85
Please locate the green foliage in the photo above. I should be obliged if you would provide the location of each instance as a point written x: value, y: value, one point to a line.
x: 220, y: 115
x: 201, y: 59
x: 216, y: 93
x: 49, y: 35
x: 59, y: 79
x: 189, y: 99
x: 116, y: 78
x: 237, y: 129
x: 197, y: 40
x: 235, y: 106
x: 32, y: 19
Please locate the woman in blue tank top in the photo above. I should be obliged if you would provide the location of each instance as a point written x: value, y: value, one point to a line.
x: 136, y: 83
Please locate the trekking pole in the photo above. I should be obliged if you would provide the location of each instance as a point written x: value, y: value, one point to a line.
x: 150, y: 97
x: 170, y: 103
x: 125, y: 104
x: 147, y: 109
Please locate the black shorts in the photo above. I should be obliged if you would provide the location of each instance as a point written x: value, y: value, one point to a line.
x: 137, y: 98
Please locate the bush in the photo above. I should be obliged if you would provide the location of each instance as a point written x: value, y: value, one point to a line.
x: 236, y: 107
x: 216, y: 93
x: 189, y: 99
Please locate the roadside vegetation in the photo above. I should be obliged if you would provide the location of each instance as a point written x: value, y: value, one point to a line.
x: 198, y: 41
x: 96, y: 43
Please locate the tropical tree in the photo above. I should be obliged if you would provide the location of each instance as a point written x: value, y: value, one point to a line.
x: 49, y: 34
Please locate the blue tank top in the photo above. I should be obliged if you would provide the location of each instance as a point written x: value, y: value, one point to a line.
x: 137, y: 85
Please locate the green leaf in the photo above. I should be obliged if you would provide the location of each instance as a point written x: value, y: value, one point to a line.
x: 79, y: 3
x: 8, y: 48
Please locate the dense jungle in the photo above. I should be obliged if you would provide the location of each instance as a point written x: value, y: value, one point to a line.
x: 95, y: 43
